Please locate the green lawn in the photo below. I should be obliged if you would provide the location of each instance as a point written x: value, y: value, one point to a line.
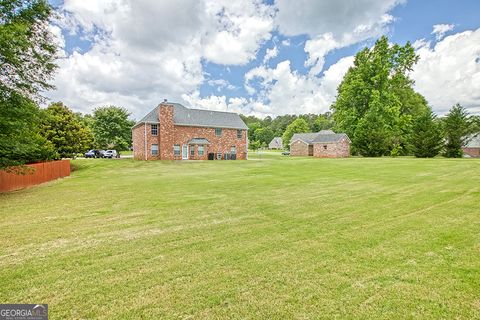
x: 272, y: 238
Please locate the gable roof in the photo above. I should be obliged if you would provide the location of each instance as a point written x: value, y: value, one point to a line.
x: 183, y: 116
x: 276, y: 141
x: 324, y: 136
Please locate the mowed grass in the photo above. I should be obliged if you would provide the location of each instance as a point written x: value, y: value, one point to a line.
x: 273, y: 237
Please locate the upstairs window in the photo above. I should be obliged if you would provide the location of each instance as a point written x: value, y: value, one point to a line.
x: 154, y: 149
x: 239, y: 134
x: 176, y: 150
x: 154, y: 129
x: 218, y: 132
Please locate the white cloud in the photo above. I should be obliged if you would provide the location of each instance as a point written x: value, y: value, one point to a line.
x: 314, y: 17
x: 439, y: 30
x: 238, y: 28
x: 283, y: 91
x: 221, y: 84
x: 450, y: 72
x: 333, y: 24
x: 269, y: 54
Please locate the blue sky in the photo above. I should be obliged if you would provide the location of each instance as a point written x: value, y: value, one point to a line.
x: 209, y: 54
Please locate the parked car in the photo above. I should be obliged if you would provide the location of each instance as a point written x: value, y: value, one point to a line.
x: 94, y: 153
x: 285, y: 153
x: 111, y: 154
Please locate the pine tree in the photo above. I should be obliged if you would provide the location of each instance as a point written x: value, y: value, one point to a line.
x: 426, y: 137
x: 456, y: 126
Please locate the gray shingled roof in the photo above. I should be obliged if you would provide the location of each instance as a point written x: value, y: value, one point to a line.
x: 198, y: 117
x: 200, y: 141
x: 324, y: 136
x: 305, y: 137
x: 329, y: 138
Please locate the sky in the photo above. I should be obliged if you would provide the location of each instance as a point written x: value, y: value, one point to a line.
x: 262, y: 58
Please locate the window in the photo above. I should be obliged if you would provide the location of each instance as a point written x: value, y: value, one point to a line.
x: 325, y: 147
x: 154, y: 129
x: 218, y: 132
x: 200, y: 151
x: 154, y: 149
x: 233, y: 150
x: 239, y: 134
x: 176, y: 149
x: 192, y: 150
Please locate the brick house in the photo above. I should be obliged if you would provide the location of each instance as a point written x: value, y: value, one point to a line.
x: 472, y: 146
x: 173, y: 132
x: 322, y: 144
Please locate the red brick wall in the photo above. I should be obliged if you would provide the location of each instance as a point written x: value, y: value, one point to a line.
x: 472, y: 152
x: 138, y: 136
x: 166, y: 132
x: 333, y: 150
x: 299, y: 148
x: 138, y: 142
x: 221, y: 144
x: 170, y: 134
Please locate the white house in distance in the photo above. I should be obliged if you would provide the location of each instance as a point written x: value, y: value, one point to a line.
x: 276, y: 143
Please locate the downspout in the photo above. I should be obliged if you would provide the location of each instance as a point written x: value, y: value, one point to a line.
x: 145, y: 139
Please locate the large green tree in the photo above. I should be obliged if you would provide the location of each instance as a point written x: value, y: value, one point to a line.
x: 27, y: 54
x: 378, y: 83
x: 112, y: 128
x: 20, y: 141
x: 27, y: 49
x: 456, y: 128
x: 263, y: 135
x: 426, y: 138
x: 61, y: 127
x: 297, y: 126
x: 323, y: 122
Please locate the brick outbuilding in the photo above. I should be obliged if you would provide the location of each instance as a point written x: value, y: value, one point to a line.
x: 173, y: 132
x: 323, y: 144
x: 472, y: 146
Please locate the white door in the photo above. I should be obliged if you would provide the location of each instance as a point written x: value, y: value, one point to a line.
x: 185, y: 152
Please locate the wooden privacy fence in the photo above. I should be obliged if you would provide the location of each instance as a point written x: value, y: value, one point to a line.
x: 42, y: 172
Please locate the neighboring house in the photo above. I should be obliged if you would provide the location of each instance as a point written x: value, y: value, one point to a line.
x: 472, y: 146
x: 323, y: 144
x: 276, y: 143
x: 173, y: 132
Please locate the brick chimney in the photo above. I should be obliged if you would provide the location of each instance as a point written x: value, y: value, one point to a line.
x: 166, y: 131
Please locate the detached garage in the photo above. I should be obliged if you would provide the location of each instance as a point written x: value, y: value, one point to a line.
x: 322, y: 144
